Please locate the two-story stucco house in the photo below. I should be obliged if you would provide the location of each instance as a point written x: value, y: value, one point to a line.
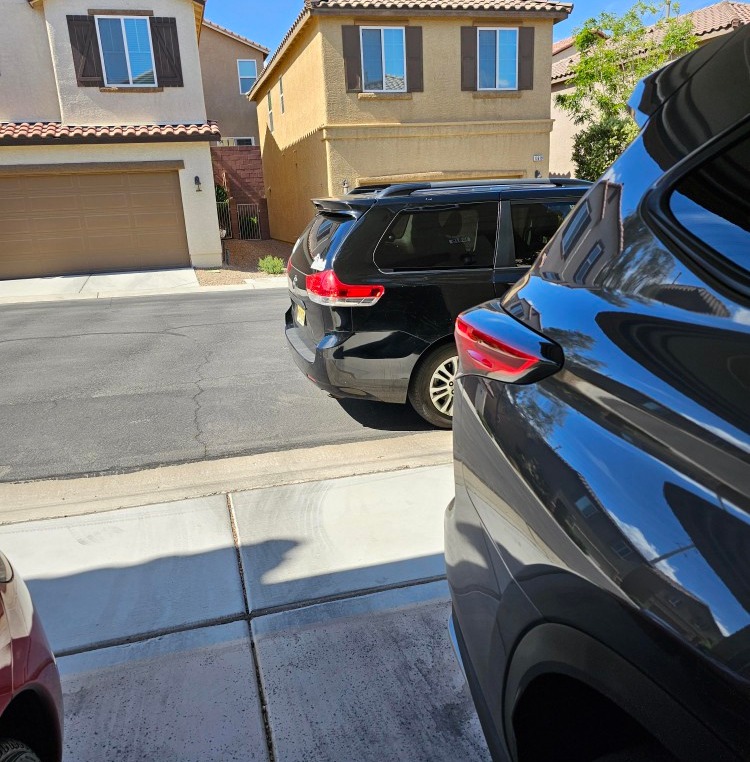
x: 379, y: 91
x: 230, y: 64
x: 104, y: 143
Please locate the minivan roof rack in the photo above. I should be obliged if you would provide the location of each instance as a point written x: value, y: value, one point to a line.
x: 406, y: 189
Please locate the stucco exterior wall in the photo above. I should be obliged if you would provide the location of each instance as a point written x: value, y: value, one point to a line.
x: 442, y: 100
x: 201, y: 221
x: 88, y: 105
x: 563, y: 132
x: 293, y: 176
x: 236, y: 115
x: 25, y: 60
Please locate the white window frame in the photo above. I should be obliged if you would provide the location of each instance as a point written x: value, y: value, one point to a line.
x: 121, y: 19
x: 497, y: 57
x: 269, y: 101
x: 382, y: 57
x: 281, y: 93
x: 240, y: 77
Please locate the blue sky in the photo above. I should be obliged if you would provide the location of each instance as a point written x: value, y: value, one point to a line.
x: 266, y: 21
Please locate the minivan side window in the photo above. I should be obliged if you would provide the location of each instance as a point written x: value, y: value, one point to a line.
x: 443, y: 238
x: 712, y: 202
x: 534, y: 223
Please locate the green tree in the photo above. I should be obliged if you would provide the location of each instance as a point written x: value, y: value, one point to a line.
x: 615, y: 53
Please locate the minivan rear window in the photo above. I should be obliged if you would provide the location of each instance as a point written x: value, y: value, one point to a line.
x: 324, y: 234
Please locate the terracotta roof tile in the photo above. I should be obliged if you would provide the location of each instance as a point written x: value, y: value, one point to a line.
x: 442, y: 5
x: 562, y: 45
x: 35, y: 133
x: 230, y: 33
x: 723, y: 16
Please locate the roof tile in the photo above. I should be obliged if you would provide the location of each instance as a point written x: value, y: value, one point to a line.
x: 442, y: 5
x: 34, y: 133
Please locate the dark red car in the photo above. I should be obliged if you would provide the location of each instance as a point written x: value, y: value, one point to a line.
x: 31, y: 714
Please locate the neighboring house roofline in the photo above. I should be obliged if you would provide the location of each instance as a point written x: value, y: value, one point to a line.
x: 722, y: 16
x: 199, y: 8
x: 56, y: 133
x: 235, y: 36
x: 412, y: 8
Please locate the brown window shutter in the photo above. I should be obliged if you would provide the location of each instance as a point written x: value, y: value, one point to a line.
x: 352, y: 58
x: 86, y: 59
x: 166, y: 52
x: 526, y: 58
x: 414, y: 68
x: 468, y: 58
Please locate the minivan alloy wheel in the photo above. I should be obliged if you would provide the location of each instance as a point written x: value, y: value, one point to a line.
x: 441, y: 385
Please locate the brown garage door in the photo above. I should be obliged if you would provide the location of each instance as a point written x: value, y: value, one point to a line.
x: 57, y: 224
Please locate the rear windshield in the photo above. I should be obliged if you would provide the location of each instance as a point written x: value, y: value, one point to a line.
x: 321, y: 237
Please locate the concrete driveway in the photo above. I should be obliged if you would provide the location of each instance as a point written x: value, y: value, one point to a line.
x: 301, y: 622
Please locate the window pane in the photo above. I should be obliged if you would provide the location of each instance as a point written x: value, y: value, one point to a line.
x: 139, y: 52
x: 487, y: 58
x: 372, y: 60
x: 248, y: 69
x: 534, y: 223
x: 507, y: 57
x: 712, y: 202
x: 454, y: 238
x: 113, y: 51
x: 395, y: 70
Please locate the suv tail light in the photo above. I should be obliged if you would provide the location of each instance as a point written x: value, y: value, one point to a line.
x: 493, y: 343
x: 325, y: 288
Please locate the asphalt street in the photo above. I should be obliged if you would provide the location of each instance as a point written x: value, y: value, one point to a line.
x: 107, y: 386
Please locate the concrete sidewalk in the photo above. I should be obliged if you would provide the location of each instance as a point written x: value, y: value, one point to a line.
x: 294, y: 622
x: 115, y: 285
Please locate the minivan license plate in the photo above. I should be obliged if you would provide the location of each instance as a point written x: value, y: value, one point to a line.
x: 300, y: 315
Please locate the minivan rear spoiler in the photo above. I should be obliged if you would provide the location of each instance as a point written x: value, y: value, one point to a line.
x: 350, y: 207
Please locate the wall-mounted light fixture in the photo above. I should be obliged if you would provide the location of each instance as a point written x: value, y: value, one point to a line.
x: 198, y: 188
x: 537, y: 173
x: 345, y: 186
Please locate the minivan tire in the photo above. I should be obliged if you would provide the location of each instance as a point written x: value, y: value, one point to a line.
x: 15, y: 751
x: 431, y: 388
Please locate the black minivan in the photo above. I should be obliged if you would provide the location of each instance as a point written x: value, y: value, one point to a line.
x: 379, y: 275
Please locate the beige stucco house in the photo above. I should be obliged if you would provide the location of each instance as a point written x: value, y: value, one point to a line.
x: 378, y: 91
x: 230, y: 65
x: 104, y: 142
x: 708, y: 23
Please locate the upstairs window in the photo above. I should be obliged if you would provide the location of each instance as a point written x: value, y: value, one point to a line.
x: 383, y: 59
x: 247, y: 71
x: 270, y: 111
x: 127, y: 52
x: 281, y: 94
x: 497, y: 59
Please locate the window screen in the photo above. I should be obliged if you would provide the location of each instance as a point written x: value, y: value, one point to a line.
x: 534, y: 223
x: 712, y: 202
x: 453, y: 237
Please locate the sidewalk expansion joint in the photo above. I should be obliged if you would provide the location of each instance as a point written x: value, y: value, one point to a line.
x: 253, y: 650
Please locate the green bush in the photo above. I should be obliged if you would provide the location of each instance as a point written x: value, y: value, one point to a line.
x: 596, y: 147
x: 221, y: 193
x: 271, y: 265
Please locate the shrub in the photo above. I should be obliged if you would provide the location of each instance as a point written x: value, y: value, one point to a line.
x: 597, y: 146
x: 271, y: 265
x: 221, y: 193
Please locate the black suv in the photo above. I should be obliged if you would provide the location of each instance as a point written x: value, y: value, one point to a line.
x: 598, y: 549
x: 379, y: 275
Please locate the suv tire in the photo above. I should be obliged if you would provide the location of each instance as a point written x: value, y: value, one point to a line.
x: 431, y: 388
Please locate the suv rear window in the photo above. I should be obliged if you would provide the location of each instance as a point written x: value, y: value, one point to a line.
x: 441, y: 238
x: 712, y: 202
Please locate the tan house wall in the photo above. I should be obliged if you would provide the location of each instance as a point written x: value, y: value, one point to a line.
x: 561, y: 142
x: 225, y: 104
x: 89, y: 105
x: 441, y: 133
x: 201, y: 222
x: 25, y: 58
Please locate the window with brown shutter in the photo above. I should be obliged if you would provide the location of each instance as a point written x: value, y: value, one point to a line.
x: 86, y: 59
x: 166, y: 51
x: 383, y: 59
x: 497, y: 58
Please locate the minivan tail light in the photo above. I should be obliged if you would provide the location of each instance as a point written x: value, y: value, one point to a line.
x: 493, y: 343
x: 325, y: 288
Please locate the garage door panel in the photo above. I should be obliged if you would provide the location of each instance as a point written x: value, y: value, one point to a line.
x: 57, y: 224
